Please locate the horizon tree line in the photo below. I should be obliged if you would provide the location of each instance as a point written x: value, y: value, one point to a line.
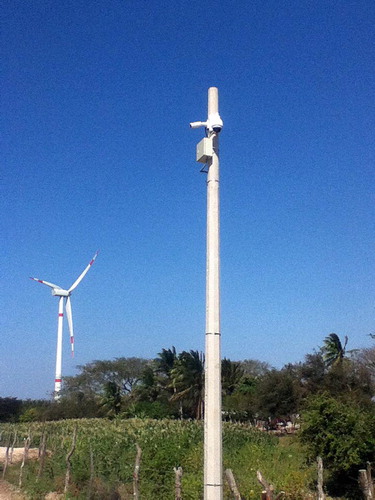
x: 172, y: 385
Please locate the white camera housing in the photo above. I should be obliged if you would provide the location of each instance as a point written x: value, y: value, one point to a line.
x: 214, y: 123
x: 198, y: 124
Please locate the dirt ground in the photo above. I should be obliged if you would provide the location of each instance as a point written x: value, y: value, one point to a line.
x: 17, y: 454
x: 9, y: 492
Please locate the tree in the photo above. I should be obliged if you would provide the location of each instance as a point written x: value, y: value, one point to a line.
x: 94, y: 377
x: 74, y: 405
x: 35, y: 410
x: 312, y: 373
x: 232, y: 373
x: 111, y: 400
x: 10, y: 409
x: 367, y: 358
x: 163, y: 366
x: 349, y: 381
x: 242, y: 404
x: 343, y: 434
x: 255, y: 368
x: 187, y: 379
x: 279, y: 393
x: 165, y: 361
x: 148, y: 388
x: 333, y: 350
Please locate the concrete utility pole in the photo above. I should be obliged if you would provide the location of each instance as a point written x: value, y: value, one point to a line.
x: 208, y: 153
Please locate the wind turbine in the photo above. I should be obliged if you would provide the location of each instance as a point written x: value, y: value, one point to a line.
x: 57, y: 291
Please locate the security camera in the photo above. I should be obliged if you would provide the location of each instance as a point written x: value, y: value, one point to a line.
x: 215, y: 123
x: 217, y: 128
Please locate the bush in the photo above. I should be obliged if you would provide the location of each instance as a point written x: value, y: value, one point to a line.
x: 343, y: 434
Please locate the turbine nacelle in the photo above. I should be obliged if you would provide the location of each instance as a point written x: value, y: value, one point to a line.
x: 59, y: 292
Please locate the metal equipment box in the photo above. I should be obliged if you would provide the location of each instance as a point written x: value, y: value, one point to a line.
x: 204, y: 150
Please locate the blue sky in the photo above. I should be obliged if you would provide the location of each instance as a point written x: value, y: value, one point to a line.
x: 98, y: 154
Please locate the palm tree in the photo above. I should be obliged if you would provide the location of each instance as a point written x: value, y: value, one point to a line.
x: 232, y: 373
x: 165, y: 361
x: 188, y: 382
x: 333, y: 350
x: 111, y: 400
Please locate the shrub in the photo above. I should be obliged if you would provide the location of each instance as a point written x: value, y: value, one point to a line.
x: 343, y: 434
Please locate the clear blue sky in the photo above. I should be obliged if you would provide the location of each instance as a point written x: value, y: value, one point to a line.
x: 98, y: 154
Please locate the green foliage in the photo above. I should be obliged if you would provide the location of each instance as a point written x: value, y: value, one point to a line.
x: 255, y: 368
x: 343, y: 434
x: 333, y: 350
x: 31, y: 415
x: 187, y: 380
x: 165, y: 444
x: 10, y: 408
x: 111, y: 401
x: 232, y: 374
x: 281, y: 461
x: 338, y: 421
x: 149, y: 409
x: 124, y: 372
x: 165, y: 361
x: 366, y: 359
x: 279, y: 393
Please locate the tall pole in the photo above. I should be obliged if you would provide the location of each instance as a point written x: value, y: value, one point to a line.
x: 213, y: 483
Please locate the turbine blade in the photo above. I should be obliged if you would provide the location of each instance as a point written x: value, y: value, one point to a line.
x: 80, y: 278
x: 51, y: 285
x: 69, y: 317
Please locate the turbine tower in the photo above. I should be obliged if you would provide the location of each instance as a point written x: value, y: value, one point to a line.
x: 208, y: 153
x: 64, y: 295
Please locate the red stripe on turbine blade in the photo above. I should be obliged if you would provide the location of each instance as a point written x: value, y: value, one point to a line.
x: 57, y: 379
x: 72, y: 340
x: 61, y: 315
x: 92, y: 262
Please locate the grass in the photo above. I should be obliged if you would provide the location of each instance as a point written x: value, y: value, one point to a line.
x: 165, y: 444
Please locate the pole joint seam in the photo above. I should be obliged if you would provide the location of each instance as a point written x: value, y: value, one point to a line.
x: 213, y: 333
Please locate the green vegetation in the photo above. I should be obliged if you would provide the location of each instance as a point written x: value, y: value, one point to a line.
x: 331, y: 394
x: 165, y: 444
x: 343, y: 434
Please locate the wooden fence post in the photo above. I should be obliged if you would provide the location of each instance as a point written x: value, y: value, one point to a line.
x: 369, y: 478
x: 6, y: 461
x: 136, y: 472
x: 68, y: 462
x: 24, y: 458
x: 232, y: 484
x: 366, y: 483
x: 321, y: 495
x: 268, y: 491
x: 12, y: 448
x: 178, y: 476
x: 42, y: 453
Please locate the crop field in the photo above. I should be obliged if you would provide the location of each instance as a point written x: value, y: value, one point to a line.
x: 102, y: 463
